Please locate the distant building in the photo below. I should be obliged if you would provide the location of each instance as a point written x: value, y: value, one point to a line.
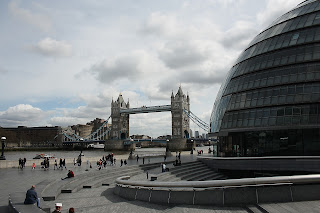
x: 85, y: 130
x: 23, y: 136
x: 140, y: 137
x: 196, y: 134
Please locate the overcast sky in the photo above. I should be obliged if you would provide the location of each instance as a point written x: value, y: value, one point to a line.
x: 62, y: 62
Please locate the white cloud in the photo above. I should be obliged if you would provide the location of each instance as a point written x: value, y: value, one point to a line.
x: 239, y: 36
x: 40, y: 21
x: 23, y: 115
x: 274, y: 9
x: 52, y: 48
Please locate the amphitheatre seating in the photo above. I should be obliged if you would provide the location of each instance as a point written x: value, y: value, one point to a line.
x: 192, y: 171
x: 91, y: 180
x: 16, y: 204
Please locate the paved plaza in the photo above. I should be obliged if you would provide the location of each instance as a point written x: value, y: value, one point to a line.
x: 102, y: 199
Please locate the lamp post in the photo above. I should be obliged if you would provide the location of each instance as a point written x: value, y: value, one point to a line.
x: 81, y: 143
x: 191, y: 147
x: 3, y: 140
x: 168, y: 153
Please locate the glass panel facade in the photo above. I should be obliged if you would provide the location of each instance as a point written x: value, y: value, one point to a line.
x: 269, y: 103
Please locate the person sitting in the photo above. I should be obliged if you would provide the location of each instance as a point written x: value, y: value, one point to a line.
x: 69, y: 175
x: 32, y: 196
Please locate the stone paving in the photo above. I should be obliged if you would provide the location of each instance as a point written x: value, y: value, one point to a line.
x: 102, y: 199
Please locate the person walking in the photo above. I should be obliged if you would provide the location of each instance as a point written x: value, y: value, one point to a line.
x: 64, y: 163
x: 33, y: 166
x: 71, y: 210
x: 121, y: 162
x: 55, y: 164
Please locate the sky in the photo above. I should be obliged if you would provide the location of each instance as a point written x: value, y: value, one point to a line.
x: 62, y: 62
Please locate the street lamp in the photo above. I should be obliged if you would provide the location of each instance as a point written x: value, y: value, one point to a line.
x: 191, y: 147
x: 168, y: 153
x: 3, y: 139
x: 81, y: 140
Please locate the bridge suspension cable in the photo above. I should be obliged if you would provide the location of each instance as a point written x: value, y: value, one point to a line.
x: 200, y: 123
x: 98, y: 134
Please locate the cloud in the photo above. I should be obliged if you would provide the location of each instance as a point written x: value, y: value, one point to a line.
x: 52, y: 48
x: 239, y: 36
x: 160, y: 24
x: 177, y: 54
x: 131, y: 66
x: 3, y: 70
x: 23, y: 115
x: 40, y: 21
x: 273, y: 10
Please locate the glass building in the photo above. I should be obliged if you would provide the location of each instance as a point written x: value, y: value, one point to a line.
x: 269, y: 104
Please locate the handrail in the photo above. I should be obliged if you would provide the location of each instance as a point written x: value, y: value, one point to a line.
x: 297, y: 179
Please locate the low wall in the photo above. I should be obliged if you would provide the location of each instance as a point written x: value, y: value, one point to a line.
x: 117, y: 145
x: 14, y: 164
x: 224, y: 192
x: 278, y: 163
x: 180, y: 144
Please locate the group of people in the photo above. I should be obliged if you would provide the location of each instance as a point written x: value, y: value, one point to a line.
x: 22, y: 163
x: 105, y: 160
x: 178, y: 159
x: 123, y: 162
x: 200, y: 152
x: 32, y: 198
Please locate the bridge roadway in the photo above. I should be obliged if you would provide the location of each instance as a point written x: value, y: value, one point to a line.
x: 145, y: 109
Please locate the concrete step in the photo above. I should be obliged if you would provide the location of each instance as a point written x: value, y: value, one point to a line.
x: 255, y: 209
x: 200, y: 175
x: 187, y: 171
x: 53, y: 189
x: 178, y: 169
x: 78, y: 183
x: 195, y: 173
x: 207, y: 176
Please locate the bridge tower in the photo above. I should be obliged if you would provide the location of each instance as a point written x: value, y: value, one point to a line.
x: 120, y: 122
x: 180, y: 120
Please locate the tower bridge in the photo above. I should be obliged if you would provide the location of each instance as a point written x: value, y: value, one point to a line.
x: 118, y: 133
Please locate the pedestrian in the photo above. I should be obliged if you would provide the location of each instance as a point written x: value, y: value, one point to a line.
x: 71, y: 210
x: 147, y: 175
x: 64, y: 163
x: 121, y: 162
x: 58, y: 208
x: 164, y: 167
x: 125, y: 162
x: 137, y: 158
x: 24, y: 162
x: 114, y: 161
x: 143, y: 160
x: 69, y: 175
x: 32, y: 196
x: 33, y: 166
x: 90, y: 166
x: 165, y: 157
x: 60, y: 164
x: 55, y: 164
